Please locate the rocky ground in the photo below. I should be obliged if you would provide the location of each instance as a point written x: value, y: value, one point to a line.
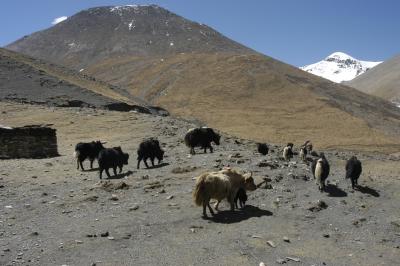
x: 53, y: 214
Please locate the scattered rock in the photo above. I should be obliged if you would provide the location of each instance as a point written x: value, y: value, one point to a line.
x: 278, y: 178
x: 185, y: 169
x: 281, y: 261
x: 293, y: 259
x: 235, y: 155
x: 78, y: 241
x: 152, y: 185
x: 318, y: 206
x: 134, y: 208
x: 114, y: 197
x: 109, y: 186
x: 110, y: 238
x: 92, y: 198
x: 271, y: 243
x: 286, y: 239
x: 106, y: 234
x: 170, y: 197
x: 396, y: 223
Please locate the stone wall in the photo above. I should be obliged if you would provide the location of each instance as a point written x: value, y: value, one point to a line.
x: 28, y: 142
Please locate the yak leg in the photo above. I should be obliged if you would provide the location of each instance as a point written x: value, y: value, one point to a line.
x: 145, y: 162
x: 192, y: 151
x: 231, y: 201
x: 108, y: 173
x: 115, y: 170
x: 77, y: 164
x: 211, y: 210
x: 101, y: 172
x: 211, y: 148
x: 152, y: 161
x: 204, y: 209
x: 80, y: 163
x: 353, y: 183
x: 91, y: 163
x: 120, y: 168
x: 138, y: 161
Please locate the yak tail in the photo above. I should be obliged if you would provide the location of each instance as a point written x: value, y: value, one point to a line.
x: 198, y: 193
x: 76, y: 154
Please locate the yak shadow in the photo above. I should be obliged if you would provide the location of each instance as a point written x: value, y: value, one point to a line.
x: 118, y: 176
x: 229, y: 217
x: 158, y: 166
x: 334, y: 191
x: 367, y: 190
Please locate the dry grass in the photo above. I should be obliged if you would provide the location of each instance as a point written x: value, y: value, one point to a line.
x: 249, y: 96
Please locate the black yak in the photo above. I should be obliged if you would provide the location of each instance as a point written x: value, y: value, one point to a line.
x: 262, y: 148
x: 201, y: 137
x: 353, y: 170
x: 112, y: 158
x: 89, y: 150
x: 149, y: 148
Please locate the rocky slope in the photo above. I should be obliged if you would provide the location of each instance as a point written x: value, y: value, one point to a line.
x: 53, y: 214
x: 28, y: 80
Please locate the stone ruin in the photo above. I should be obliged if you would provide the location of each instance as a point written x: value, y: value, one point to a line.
x: 33, y: 141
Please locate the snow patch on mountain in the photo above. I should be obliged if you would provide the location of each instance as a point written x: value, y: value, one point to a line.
x: 339, y: 67
x: 58, y: 20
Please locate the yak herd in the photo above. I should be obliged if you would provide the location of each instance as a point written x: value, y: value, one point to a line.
x: 224, y: 184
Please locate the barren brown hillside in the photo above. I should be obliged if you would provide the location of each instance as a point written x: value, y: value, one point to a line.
x: 382, y: 80
x: 257, y: 97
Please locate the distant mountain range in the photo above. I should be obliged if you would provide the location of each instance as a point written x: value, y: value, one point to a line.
x: 339, y: 67
x: 197, y: 73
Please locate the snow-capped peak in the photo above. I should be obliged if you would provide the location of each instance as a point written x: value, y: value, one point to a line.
x: 340, y: 55
x: 339, y: 67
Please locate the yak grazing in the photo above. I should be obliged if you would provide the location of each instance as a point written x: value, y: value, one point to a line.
x: 220, y: 185
x: 201, y: 137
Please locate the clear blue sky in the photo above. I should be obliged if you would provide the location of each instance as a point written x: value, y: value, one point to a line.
x: 298, y: 32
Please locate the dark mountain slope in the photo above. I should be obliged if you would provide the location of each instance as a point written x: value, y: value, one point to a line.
x: 106, y: 32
